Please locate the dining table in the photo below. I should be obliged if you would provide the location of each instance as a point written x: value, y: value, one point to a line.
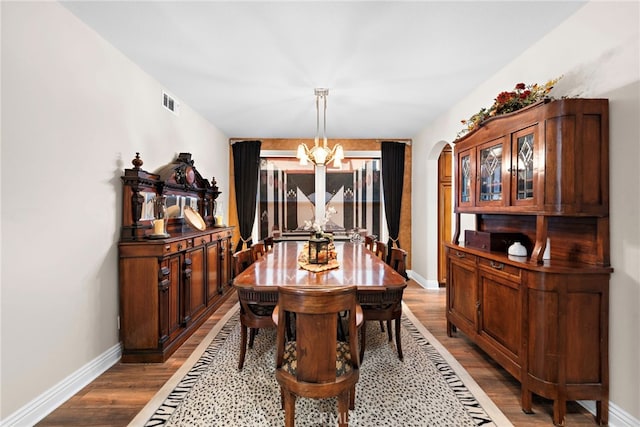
x: 378, y: 286
x: 356, y: 265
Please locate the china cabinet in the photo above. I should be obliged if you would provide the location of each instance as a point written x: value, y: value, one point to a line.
x: 170, y: 282
x: 543, y: 173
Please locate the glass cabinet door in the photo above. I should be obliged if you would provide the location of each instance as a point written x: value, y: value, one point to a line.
x: 466, y: 164
x: 490, y: 169
x: 525, y: 168
x: 523, y: 161
x: 465, y: 178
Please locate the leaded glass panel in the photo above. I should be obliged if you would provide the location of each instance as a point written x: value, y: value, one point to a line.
x: 465, y: 166
x: 525, y: 167
x: 491, y: 173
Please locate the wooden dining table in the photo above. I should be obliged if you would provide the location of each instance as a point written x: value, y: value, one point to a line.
x: 357, y: 266
x: 377, y: 284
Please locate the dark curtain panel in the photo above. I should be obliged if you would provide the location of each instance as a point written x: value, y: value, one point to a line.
x: 392, y: 182
x: 246, y: 165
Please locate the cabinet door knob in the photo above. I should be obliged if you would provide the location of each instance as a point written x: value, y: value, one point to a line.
x: 179, y: 246
x: 460, y: 255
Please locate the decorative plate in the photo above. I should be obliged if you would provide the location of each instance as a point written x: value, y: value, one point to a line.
x: 194, y: 219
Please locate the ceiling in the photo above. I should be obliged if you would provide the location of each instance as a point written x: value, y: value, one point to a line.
x: 391, y: 67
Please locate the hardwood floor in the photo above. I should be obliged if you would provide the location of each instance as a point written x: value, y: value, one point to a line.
x: 115, y: 397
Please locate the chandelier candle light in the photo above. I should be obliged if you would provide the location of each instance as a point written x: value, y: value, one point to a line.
x: 321, y: 155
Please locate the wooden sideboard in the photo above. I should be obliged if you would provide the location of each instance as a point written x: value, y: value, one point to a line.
x: 541, y: 173
x: 169, y: 284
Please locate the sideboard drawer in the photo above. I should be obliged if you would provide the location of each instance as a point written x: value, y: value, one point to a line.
x: 201, y: 240
x: 178, y: 246
x: 462, y: 256
x: 499, y: 268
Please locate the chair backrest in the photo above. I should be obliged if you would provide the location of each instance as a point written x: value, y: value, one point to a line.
x: 317, y: 312
x: 369, y: 242
x: 268, y: 243
x: 398, y: 261
x: 256, y: 306
x: 241, y: 260
x: 381, y: 250
x: 258, y: 250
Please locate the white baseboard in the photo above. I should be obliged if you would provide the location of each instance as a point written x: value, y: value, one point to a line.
x: 617, y: 416
x: 48, y: 401
x: 425, y: 283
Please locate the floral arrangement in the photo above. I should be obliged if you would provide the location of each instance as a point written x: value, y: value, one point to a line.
x: 318, y: 225
x: 508, y: 101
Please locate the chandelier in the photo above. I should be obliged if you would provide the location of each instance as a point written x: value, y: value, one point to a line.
x: 321, y: 155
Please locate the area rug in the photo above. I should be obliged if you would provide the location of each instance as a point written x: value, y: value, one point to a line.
x: 428, y: 388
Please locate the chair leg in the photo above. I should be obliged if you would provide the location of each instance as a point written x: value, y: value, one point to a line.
x: 398, y: 344
x: 363, y: 339
x: 343, y: 409
x: 252, y: 336
x: 289, y: 409
x: 243, y: 346
x: 389, y: 330
x: 352, y: 398
x: 381, y: 326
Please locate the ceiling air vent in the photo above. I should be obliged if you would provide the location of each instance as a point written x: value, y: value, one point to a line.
x: 170, y: 103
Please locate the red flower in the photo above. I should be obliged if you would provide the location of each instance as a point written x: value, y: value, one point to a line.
x: 525, y: 94
x: 520, y: 86
x: 504, y: 97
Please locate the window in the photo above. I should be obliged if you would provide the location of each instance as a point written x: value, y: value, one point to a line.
x: 287, y: 196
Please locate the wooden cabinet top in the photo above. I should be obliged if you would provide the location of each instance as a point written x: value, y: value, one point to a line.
x: 500, y: 259
x: 551, y: 158
x: 178, y: 242
x: 542, y: 171
x: 504, y: 124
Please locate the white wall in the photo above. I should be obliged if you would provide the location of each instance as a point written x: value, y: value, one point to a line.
x: 74, y: 112
x: 597, y: 51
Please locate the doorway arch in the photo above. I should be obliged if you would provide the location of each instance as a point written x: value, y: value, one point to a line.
x: 445, y: 208
x: 440, y: 161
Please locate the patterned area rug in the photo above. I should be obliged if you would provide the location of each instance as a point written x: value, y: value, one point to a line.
x: 429, y: 388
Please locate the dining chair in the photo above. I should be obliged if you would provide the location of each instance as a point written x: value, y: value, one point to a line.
x: 317, y: 365
x: 385, y: 306
x: 256, y: 309
x: 398, y: 261
x: 369, y: 242
x: 241, y: 260
x: 258, y: 250
x: 381, y: 250
x: 268, y: 243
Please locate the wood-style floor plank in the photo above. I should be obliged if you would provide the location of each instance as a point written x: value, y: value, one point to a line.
x: 115, y: 397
